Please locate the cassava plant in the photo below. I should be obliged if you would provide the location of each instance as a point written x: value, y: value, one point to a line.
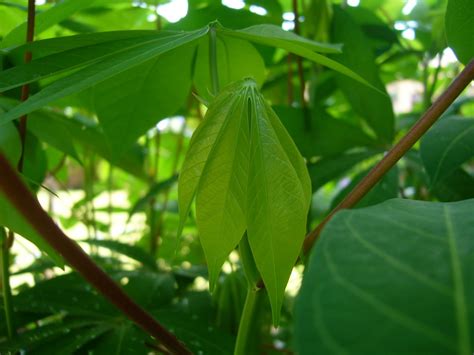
x: 255, y: 142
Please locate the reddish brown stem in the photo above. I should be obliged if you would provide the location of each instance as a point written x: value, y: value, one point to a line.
x: 397, y: 152
x: 19, y: 195
x: 25, y: 89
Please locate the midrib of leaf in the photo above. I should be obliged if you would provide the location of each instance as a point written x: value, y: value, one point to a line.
x: 383, y: 308
x: 448, y: 148
x: 121, y: 336
x: 460, y: 306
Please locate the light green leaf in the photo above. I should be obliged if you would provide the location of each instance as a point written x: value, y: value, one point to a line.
x: 459, y: 23
x: 231, y: 53
x: 276, y: 203
x: 376, y: 110
x: 131, y: 102
x: 446, y: 146
x: 215, y: 170
x: 101, y: 71
x: 401, y: 270
x: 46, y: 19
x: 247, y: 174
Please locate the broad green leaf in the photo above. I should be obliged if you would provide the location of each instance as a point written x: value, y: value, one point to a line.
x: 131, y: 102
x: 357, y: 55
x: 46, y: 19
x: 231, y: 53
x: 215, y: 170
x: 247, y: 174
x: 275, y: 36
x: 102, y: 70
x: 459, y: 22
x: 326, y: 136
x: 446, y: 146
x: 395, y: 277
x: 276, y: 203
x: 298, y: 47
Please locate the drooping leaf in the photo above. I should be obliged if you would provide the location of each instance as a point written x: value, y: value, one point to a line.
x: 99, y: 71
x: 276, y: 203
x: 357, y: 55
x: 457, y: 186
x: 459, y: 22
x: 396, y: 276
x: 247, y: 174
x: 446, y: 146
x: 215, y: 170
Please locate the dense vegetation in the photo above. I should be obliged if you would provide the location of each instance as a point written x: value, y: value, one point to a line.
x: 221, y: 171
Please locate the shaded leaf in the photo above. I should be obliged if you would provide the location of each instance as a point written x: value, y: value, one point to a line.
x: 459, y: 22
x: 398, y: 270
x: 446, y: 146
x: 375, y: 109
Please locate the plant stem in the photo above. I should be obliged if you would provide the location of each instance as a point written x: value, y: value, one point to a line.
x: 28, y: 206
x: 213, y: 59
x: 397, y: 152
x: 7, y: 292
x: 247, y: 321
x: 25, y: 89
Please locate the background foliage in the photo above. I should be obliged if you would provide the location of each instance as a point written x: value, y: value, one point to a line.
x: 111, y: 114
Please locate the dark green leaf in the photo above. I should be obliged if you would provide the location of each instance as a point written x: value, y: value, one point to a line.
x: 446, y: 146
x: 396, y: 276
x: 375, y: 109
x: 459, y: 22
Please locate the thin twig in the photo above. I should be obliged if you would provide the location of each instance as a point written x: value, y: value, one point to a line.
x: 20, y: 196
x: 397, y: 152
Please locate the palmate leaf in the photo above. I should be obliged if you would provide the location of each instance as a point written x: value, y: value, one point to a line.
x: 246, y: 174
x: 394, y: 278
